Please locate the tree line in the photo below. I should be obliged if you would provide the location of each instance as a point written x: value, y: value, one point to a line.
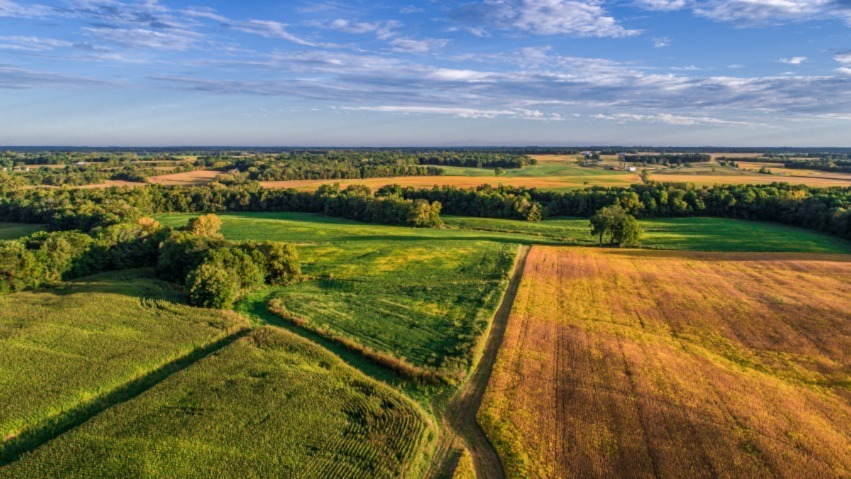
x: 822, y: 209
x: 86, y: 209
x: 668, y: 158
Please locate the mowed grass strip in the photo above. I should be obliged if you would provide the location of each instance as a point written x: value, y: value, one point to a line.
x: 11, y: 231
x: 423, y: 295
x: 63, y: 348
x: 691, y: 234
x: 626, y: 363
x: 269, y: 405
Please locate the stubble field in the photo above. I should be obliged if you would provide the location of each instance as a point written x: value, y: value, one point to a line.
x: 626, y: 363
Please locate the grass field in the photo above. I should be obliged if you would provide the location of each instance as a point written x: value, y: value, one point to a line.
x: 268, y: 405
x: 10, y: 231
x: 423, y: 295
x: 629, y: 363
x: 694, y: 234
x: 61, y: 349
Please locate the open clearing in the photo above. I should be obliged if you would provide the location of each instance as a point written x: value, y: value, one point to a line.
x: 268, y: 405
x: 189, y: 178
x: 638, y: 363
x: 11, y: 231
x: 61, y: 349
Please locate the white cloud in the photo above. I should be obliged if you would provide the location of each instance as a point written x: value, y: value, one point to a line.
x: 663, y: 4
x: 661, y: 42
x: 844, y: 58
x: 410, y: 45
x: 580, y: 18
x: 31, y: 44
x: 793, y: 60
x: 144, y: 38
x: 764, y: 11
x: 518, y: 113
x: 383, y: 30
x: 669, y: 119
x: 9, y: 8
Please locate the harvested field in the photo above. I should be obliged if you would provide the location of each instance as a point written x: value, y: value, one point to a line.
x: 749, y: 179
x: 626, y: 363
x: 188, y: 178
x: 545, y: 182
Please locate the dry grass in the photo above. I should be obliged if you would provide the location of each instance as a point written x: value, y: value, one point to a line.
x: 556, y: 158
x: 550, y: 182
x: 622, y: 363
x: 189, y: 178
x: 752, y: 179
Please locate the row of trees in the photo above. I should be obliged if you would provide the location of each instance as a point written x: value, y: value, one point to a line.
x: 823, y: 209
x: 668, y: 158
x: 478, y: 159
x: 86, y: 209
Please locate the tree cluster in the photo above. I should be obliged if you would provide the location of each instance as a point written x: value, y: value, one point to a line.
x: 668, y: 158
x: 214, y: 272
x: 621, y: 228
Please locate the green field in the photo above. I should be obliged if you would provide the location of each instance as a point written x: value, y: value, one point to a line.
x: 533, y: 171
x: 269, y: 405
x: 61, y: 349
x: 690, y: 234
x: 10, y: 231
x: 423, y: 295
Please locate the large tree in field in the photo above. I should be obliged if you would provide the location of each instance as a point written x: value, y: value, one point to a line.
x: 621, y: 227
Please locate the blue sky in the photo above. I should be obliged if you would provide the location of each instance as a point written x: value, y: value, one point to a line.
x: 427, y: 73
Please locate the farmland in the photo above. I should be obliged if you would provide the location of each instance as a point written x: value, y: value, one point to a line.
x: 61, y: 349
x: 648, y: 363
x: 420, y: 295
x: 691, y: 234
x: 268, y: 405
x: 198, y: 177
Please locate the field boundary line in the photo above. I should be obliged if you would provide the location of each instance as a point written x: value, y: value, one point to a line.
x: 460, y: 417
x: 55, y: 426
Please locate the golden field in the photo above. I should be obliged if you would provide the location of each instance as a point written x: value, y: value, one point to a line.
x: 628, y: 363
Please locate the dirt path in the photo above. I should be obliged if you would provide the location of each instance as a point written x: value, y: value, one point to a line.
x: 460, y: 416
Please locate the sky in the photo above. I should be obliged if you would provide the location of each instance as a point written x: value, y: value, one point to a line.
x: 425, y: 73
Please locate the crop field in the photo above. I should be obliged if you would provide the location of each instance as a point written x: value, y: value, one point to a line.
x: 60, y: 349
x: 189, y: 178
x: 422, y: 295
x: 268, y: 405
x: 693, y: 234
x: 10, y: 231
x: 630, y: 363
x: 712, y: 175
x: 555, y: 183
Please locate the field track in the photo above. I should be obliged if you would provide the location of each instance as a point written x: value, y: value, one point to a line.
x: 460, y: 417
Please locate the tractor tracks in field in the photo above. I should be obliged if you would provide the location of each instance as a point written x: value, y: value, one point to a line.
x: 459, y: 418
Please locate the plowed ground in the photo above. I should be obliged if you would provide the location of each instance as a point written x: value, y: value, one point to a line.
x: 624, y: 363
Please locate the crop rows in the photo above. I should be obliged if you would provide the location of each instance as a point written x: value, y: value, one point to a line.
x: 631, y: 363
x: 268, y: 405
x: 65, y: 348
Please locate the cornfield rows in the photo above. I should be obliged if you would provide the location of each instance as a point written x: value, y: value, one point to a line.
x: 670, y: 364
x: 268, y: 405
